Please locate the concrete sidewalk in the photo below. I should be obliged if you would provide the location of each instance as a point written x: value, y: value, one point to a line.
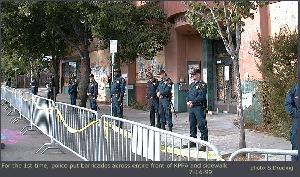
x: 222, y: 131
x: 20, y: 147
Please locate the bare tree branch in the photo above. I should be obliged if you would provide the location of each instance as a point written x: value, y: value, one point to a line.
x: 238, y: 31
x: 219, y: 29
x: 229, y: 37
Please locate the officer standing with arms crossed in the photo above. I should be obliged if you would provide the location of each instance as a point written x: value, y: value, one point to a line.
x: 164, y: 94
x: 195, y: 101
x: 152, y: 85
x: 73, y: 90
x: 117, y: 94
x: 92, y: 92
x: 291, y: 107
x: 34, y: 86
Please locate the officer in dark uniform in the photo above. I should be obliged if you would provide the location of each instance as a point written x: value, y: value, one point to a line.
x: 164, y: 93
x: 34, y: 86
x: 291, y: 107
x: 117, y: 94
x: 73, y: 90
x: 8, y: 82
x: 50, y: 88
x: 152, y: 85
x: 195, y: 100
x: 92, y: 92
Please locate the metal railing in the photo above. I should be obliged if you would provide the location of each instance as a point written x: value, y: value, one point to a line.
x: 77, y: 129
x: 125, y: 140
x: 267, y: 154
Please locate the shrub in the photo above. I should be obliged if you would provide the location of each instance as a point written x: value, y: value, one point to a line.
x: 277, y: 57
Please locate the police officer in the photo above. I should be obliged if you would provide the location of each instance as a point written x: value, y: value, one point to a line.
x: 50, y: 88
x: 92, y: 92
x: 152, y: 85
x: 34, y: 86
x: 73, y: 90
x: 117, y: 94
x: 8, y: 82
x: 164, y: 94
x: 195, y: 100
x: 291, y: 107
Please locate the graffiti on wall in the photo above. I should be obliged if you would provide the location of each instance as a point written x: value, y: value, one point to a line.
x: 143, y: 67
x: 100, y: 67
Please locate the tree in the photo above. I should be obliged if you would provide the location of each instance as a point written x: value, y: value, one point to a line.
x: 70, y: 21
x: 224, y: 19
x: 277, y: 57
x: 26, y: 35
x: 140, y: 31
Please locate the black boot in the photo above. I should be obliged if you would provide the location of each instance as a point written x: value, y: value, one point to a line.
x: 163, y: 127
x: 158, y: 125
x: 202, y: 148
x: 192, y: 144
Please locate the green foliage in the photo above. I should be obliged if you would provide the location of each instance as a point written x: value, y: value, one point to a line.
x: 11, y: 61
x: 278, y: 64
x: 140, y: 31
x: 24, y: 32
x: 206, y: 17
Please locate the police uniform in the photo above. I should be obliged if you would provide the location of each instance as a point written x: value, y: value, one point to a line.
x: 153, y: 101
x: 197, y: 95
x: 291, y: 107
x: 92, y: 93
x: 73, y: 91
x: 165, y: 88
x: 117, y: 94
x: 50, y: 88
x: 34, y: 87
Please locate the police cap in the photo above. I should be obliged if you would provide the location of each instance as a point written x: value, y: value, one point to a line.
x: 196, y: 71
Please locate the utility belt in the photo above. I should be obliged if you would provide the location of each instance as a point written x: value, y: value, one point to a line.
x: 117, y: 95
x: 153, y: 97
x: 164, y: 97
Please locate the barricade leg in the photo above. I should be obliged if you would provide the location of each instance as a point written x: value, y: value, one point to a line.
x: 51, y: 145
x: 16, y: 119
x: 29, y: 128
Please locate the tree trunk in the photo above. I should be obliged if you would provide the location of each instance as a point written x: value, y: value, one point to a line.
x: 85, y: 71
x: 236, y: 67
x: 55, y: 67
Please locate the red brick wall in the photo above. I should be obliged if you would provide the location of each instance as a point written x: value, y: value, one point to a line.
x: 140, y: 93
x: 247, y: 60
x: 173, y: 7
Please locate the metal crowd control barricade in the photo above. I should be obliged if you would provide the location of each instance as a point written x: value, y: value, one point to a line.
x: 269, y: 154
x: 77, y: 129
x: 10, y: 98
x: 125, y: 140
x: 18, y: 105
x: 31, y: 110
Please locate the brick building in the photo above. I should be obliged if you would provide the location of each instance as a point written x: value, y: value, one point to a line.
x: 186, y: 49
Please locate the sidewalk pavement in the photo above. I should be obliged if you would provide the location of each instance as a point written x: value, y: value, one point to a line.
x: 20, y: 147
x: 222, y: 131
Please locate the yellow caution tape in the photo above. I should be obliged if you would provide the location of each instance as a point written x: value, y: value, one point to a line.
x: 176, y: 151
x: 70, y: 129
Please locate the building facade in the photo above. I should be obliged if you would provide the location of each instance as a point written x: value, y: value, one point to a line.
x: 186, y: 50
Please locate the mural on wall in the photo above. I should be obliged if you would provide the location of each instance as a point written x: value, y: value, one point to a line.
x: 100, y: 67
x: 143, y: 67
